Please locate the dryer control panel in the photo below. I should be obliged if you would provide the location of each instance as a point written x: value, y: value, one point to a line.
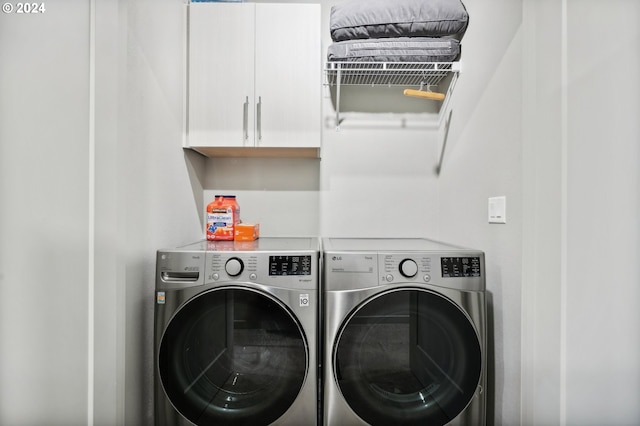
x: 405, y: 267
x: 454, y: 267
x: 464, y: 271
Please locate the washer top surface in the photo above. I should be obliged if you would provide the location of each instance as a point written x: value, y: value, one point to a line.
x: 387, y: 244
x: 262, y: 244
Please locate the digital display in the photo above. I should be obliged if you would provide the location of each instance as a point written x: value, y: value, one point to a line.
x: 289, y: 265
x: 455, y: 267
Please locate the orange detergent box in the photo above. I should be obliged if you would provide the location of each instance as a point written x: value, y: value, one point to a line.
x: 247, y: 231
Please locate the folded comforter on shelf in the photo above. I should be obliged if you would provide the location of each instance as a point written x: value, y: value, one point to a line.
x: 366, y: 19
x: 401, y: 49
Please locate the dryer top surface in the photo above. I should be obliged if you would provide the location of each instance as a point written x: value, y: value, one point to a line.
x: 388, y: 245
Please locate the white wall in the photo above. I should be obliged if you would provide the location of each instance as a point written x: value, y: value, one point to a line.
x: 582, y: 236
x: 603, y: 211
x: 483, y: 158
x: 156, y: 187
x: 542, y: 205
x: 44, y: 204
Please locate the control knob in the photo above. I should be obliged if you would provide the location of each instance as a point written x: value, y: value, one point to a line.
x: 408, y: 268
x: 234, y: 266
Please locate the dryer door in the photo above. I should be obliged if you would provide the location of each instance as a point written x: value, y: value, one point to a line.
x: 233, y: 356
x: 407, y: 356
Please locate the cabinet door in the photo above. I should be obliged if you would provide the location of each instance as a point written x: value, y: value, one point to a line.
x: 288, y: 75
x: 221, y: 70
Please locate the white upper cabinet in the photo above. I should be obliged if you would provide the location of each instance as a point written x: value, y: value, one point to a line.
x: 255, y: 75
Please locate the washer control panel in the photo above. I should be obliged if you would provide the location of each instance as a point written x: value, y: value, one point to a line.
x: 222, y: 266
x: 283, y: 268
x: 289, y: 265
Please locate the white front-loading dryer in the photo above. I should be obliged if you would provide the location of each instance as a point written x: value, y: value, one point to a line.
x: 236, y: 333
x: 404, y: 333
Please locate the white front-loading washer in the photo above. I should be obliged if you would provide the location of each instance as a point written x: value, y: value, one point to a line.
x: 404, y: 333
x: 236, y: 333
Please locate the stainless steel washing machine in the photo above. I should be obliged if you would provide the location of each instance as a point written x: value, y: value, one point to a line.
x: 236, y: 333
x: 404, y: 333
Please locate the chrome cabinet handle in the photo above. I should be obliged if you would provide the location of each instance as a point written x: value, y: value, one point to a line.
x: 245, y: 119
x: 259, y: 119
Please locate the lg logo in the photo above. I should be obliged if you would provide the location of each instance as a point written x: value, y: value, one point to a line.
x: 336, y: 258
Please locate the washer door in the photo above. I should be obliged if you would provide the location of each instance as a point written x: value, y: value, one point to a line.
x: 407, y: 356
x: 233, y: 356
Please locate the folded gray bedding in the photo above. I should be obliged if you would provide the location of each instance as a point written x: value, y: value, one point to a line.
x: 362, y: 19
x: 401, y: 49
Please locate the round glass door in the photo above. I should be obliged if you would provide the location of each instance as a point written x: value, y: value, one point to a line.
x: 407, y: 357
x: 233, y: 357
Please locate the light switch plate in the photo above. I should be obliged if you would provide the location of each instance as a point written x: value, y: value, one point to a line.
x: 498, y: 209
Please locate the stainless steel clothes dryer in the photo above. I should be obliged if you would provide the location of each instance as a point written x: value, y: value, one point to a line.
x: 236, y: 333
x: 404, y: 333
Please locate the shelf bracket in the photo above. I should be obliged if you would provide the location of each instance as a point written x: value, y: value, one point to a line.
x: 443, y: 142
x: 338, y: 81
x: 445, y: 115
x: 445, y: 104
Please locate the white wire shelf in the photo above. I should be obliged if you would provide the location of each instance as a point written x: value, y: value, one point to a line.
x: 424, y: 75
x: 389, y: 73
